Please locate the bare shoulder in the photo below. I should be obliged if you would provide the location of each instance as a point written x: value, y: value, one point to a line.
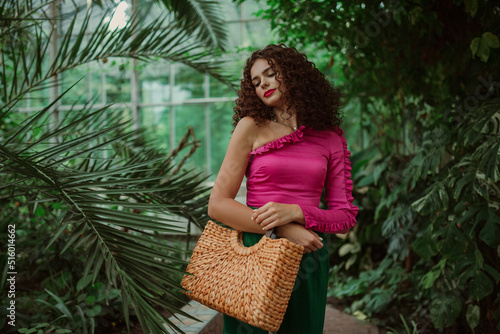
x: 244, y: 136
x: 246, y: 130
x: 247, y: 124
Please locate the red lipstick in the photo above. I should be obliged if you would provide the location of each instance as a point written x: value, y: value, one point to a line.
x: 269, y: 92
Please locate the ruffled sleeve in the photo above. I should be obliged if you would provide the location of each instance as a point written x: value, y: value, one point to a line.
x: 341, y: 213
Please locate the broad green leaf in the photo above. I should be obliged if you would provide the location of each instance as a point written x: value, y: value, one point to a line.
x: 425, y: 246
x: 480, y: 46
x: 351, y: 261
x: 94, y: 311
x: 39, y: 212
x: 348, y: 248
x: 429, y: 278
x: 83, y: 282
x: 445, y: 309
x: 479, y: 259
x: 491, y: 40
x: 380, y: 299
x: 474, y: 46
x: 90, y: 300
x: 480, y: 286
x: 471, y: 7
x: 490, y: 233
x: 473, y: 316
x: 112, y: 293
x: 494, y: 273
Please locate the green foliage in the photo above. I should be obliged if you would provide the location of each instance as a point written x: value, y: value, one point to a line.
x: 114, y: 209
x: 378, y: 289
x: 91, y: 199
x: 210, y: 27
x: 422, y: 117
x: 480, y: 46
x: 413, y: 330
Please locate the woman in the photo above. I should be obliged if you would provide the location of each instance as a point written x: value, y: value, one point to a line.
x: 288, y: 144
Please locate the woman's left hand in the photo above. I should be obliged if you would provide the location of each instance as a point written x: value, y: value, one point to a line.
x: 274, y: 214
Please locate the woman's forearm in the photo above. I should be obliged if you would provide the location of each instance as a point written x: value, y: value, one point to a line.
x: 234, y: 214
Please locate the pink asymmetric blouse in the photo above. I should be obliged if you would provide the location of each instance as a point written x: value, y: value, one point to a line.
x: 295, y: 169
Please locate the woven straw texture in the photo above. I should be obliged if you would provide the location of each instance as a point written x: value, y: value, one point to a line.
x: 252, y: 284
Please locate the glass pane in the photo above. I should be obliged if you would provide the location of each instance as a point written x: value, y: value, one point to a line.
x: 151, y: 10
x: 218, y: 89
x: 78, y: 93
x: 22, y: 103
x: 125, y: 115
x: 231, y: 11
x: 157, y: 121
x: 154, y: 78
x: 117, y: 81
x: 189, y: 84
x: 249, y: 8
x: 221, y: 121
x: 39, y: 98
x: 70, y: 10
x: 186, y: 116
x: 234, y: 36
x: 96, y: 85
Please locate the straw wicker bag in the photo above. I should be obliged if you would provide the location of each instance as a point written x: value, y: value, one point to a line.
x: 252, y: 284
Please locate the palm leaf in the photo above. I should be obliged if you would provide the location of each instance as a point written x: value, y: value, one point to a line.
x: 119, y: 193
x: 208, y: 13
x: 103, y: 199
x: 166, y: 37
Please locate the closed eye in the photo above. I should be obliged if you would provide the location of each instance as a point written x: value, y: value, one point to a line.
x: 270, y: 75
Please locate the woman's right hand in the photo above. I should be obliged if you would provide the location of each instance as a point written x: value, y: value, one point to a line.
x: 301, y: 236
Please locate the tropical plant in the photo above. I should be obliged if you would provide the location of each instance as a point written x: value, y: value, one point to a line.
x: 89, y: 196
x: 413, y: 330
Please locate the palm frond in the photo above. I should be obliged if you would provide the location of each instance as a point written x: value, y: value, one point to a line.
x: 117, y: 210
x: 208, y: 12
x: 165, y: 37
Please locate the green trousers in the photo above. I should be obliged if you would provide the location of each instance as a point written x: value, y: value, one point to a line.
x: 306, y: 309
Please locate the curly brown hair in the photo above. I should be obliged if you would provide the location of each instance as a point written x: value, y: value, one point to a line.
x: 317, y: 102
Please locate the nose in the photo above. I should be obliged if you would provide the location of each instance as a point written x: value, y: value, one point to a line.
x: 264, y: 82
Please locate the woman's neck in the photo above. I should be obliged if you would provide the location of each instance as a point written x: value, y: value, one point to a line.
x: 286, y: 117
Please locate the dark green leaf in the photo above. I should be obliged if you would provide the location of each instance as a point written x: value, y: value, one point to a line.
x: 425, y: 246
x: 473, y: 316
x: 445, y: 308
x: 480, y: 286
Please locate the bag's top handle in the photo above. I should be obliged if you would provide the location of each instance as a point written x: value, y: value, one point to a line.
x: 272, y: 233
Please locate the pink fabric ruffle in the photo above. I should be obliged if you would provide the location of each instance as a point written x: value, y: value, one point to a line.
x: 347, y: 169
x: 294, y: 137
x: 340, y: 220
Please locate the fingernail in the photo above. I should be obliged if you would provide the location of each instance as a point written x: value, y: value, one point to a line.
x: 263, y: 229
x: 251, y: 218
x: 320, y: 238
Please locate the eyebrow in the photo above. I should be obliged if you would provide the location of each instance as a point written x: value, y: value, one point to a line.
x: 267, y: 69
